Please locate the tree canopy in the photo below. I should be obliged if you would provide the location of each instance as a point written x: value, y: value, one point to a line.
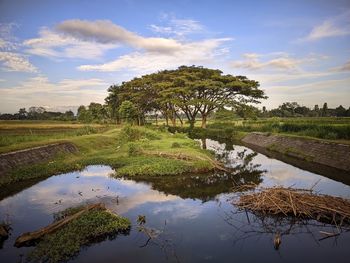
x: 188, y: 91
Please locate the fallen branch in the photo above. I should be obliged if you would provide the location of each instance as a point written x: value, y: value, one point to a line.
x: 33, y: 236
x: 4, y: 232
x: 298, y: 203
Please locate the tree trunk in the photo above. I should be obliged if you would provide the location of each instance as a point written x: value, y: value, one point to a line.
x: 204, y: 143
x: 192, y: 121
x: 156, y: 119
x: 166, y: 120
x: 181, y: 122
x: 204, y: 121
x: 173, y: 121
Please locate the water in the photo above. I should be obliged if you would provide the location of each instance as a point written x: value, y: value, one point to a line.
x: 192, y: 215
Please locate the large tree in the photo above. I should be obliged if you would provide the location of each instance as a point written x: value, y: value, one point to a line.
x: 197, y: 90
x: 191, y: 91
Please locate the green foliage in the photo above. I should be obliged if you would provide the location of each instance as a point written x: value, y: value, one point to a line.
x: 15, y: 137
x: 323, y: 128
x: 191, y: 91
x: 134, y: 149
x: 131, y: 150
x: 175, y: 145
x: 132, y: 133
x: 66, y: 242
x: 154, y: 166
x: 224, y: 115
x: 128, y: 111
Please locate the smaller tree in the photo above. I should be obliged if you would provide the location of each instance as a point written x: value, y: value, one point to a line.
x: 22, y: 113
x: 324, y: 110
x: 128, y: 111
x: 340, y: 111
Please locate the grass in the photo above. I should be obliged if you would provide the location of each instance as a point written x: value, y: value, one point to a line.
x: 91, y: 226
x: 334, y: 129
x: 131, y: 151
x: 15, y: 135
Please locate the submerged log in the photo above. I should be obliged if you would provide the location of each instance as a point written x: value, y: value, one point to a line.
x: 33, y: 236
x: 4, y: 233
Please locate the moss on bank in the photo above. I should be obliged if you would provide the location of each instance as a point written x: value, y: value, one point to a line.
x: 130, y: 150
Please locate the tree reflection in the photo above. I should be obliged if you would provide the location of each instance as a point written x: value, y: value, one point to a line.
x: 249, y: 225
x: 207, y: 186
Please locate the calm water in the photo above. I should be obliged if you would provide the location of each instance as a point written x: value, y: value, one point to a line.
x: 192, y: 216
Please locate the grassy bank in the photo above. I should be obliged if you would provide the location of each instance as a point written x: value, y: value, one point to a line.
x: 15, y: 135
x: 321, y: 128
x: 130, y: 150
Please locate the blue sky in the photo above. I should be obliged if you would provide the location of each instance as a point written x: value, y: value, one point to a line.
x: 61, y: 54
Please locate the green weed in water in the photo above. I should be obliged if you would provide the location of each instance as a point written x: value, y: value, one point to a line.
x: 92, y: 226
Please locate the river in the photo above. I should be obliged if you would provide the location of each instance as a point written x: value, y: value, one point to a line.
x: 192, y: 216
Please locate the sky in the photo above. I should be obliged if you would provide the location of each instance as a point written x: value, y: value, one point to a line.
x: 62, y: 54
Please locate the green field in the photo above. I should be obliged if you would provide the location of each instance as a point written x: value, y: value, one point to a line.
x: 148, y: 150
x: 332, y: 128
x: 130, y: 150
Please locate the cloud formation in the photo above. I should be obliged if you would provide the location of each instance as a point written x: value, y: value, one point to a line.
x: 7, y: 40
x: 106, y: 32
x: 333, y: 27
x: 38, y: 91
x: 16, y: 62
x: 345, y: 67
x: 201, y: 52
x: 177, y: 27
x: 279, y: 61
x: 55, y: 45
x: 10, y: 59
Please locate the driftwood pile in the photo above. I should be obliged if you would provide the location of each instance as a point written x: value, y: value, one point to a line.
x: 299, y: 203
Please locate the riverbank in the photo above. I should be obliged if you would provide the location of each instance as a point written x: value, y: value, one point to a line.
x: 313, y: 151
x: 131, y: 151
x: 330, y: 158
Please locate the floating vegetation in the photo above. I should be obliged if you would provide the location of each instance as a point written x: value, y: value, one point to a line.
x: 72, y: 229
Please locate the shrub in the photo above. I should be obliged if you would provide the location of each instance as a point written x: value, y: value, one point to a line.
x: 131, y: 133
x: 175, y: 145
x: 134, y: 149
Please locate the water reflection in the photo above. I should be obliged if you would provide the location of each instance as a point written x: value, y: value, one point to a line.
x: 243, y: 170
x: 251, y: 226
x: 192, y: 215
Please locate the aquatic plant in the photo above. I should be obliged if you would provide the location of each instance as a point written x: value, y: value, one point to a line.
x: 92, y: 226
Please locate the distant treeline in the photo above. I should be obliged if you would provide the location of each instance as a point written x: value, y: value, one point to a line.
x: 38, y: 113
x: 293, y: 109
x: 96, y: 112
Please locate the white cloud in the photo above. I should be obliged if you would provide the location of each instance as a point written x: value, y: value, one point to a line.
x: 200, y: 52
x: 106, y: 32
x: 333, y: 27
x: 2, y: 43
x: 345, y: 67
x: 7, y: 41
x: 177, y: 27
x: 326, y: 86
x: 16, y: 62
x: 333, y: 91
x: 276, y: 61
x: 326, y: 29
x: 39, y: 91
x: 55, y: 45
